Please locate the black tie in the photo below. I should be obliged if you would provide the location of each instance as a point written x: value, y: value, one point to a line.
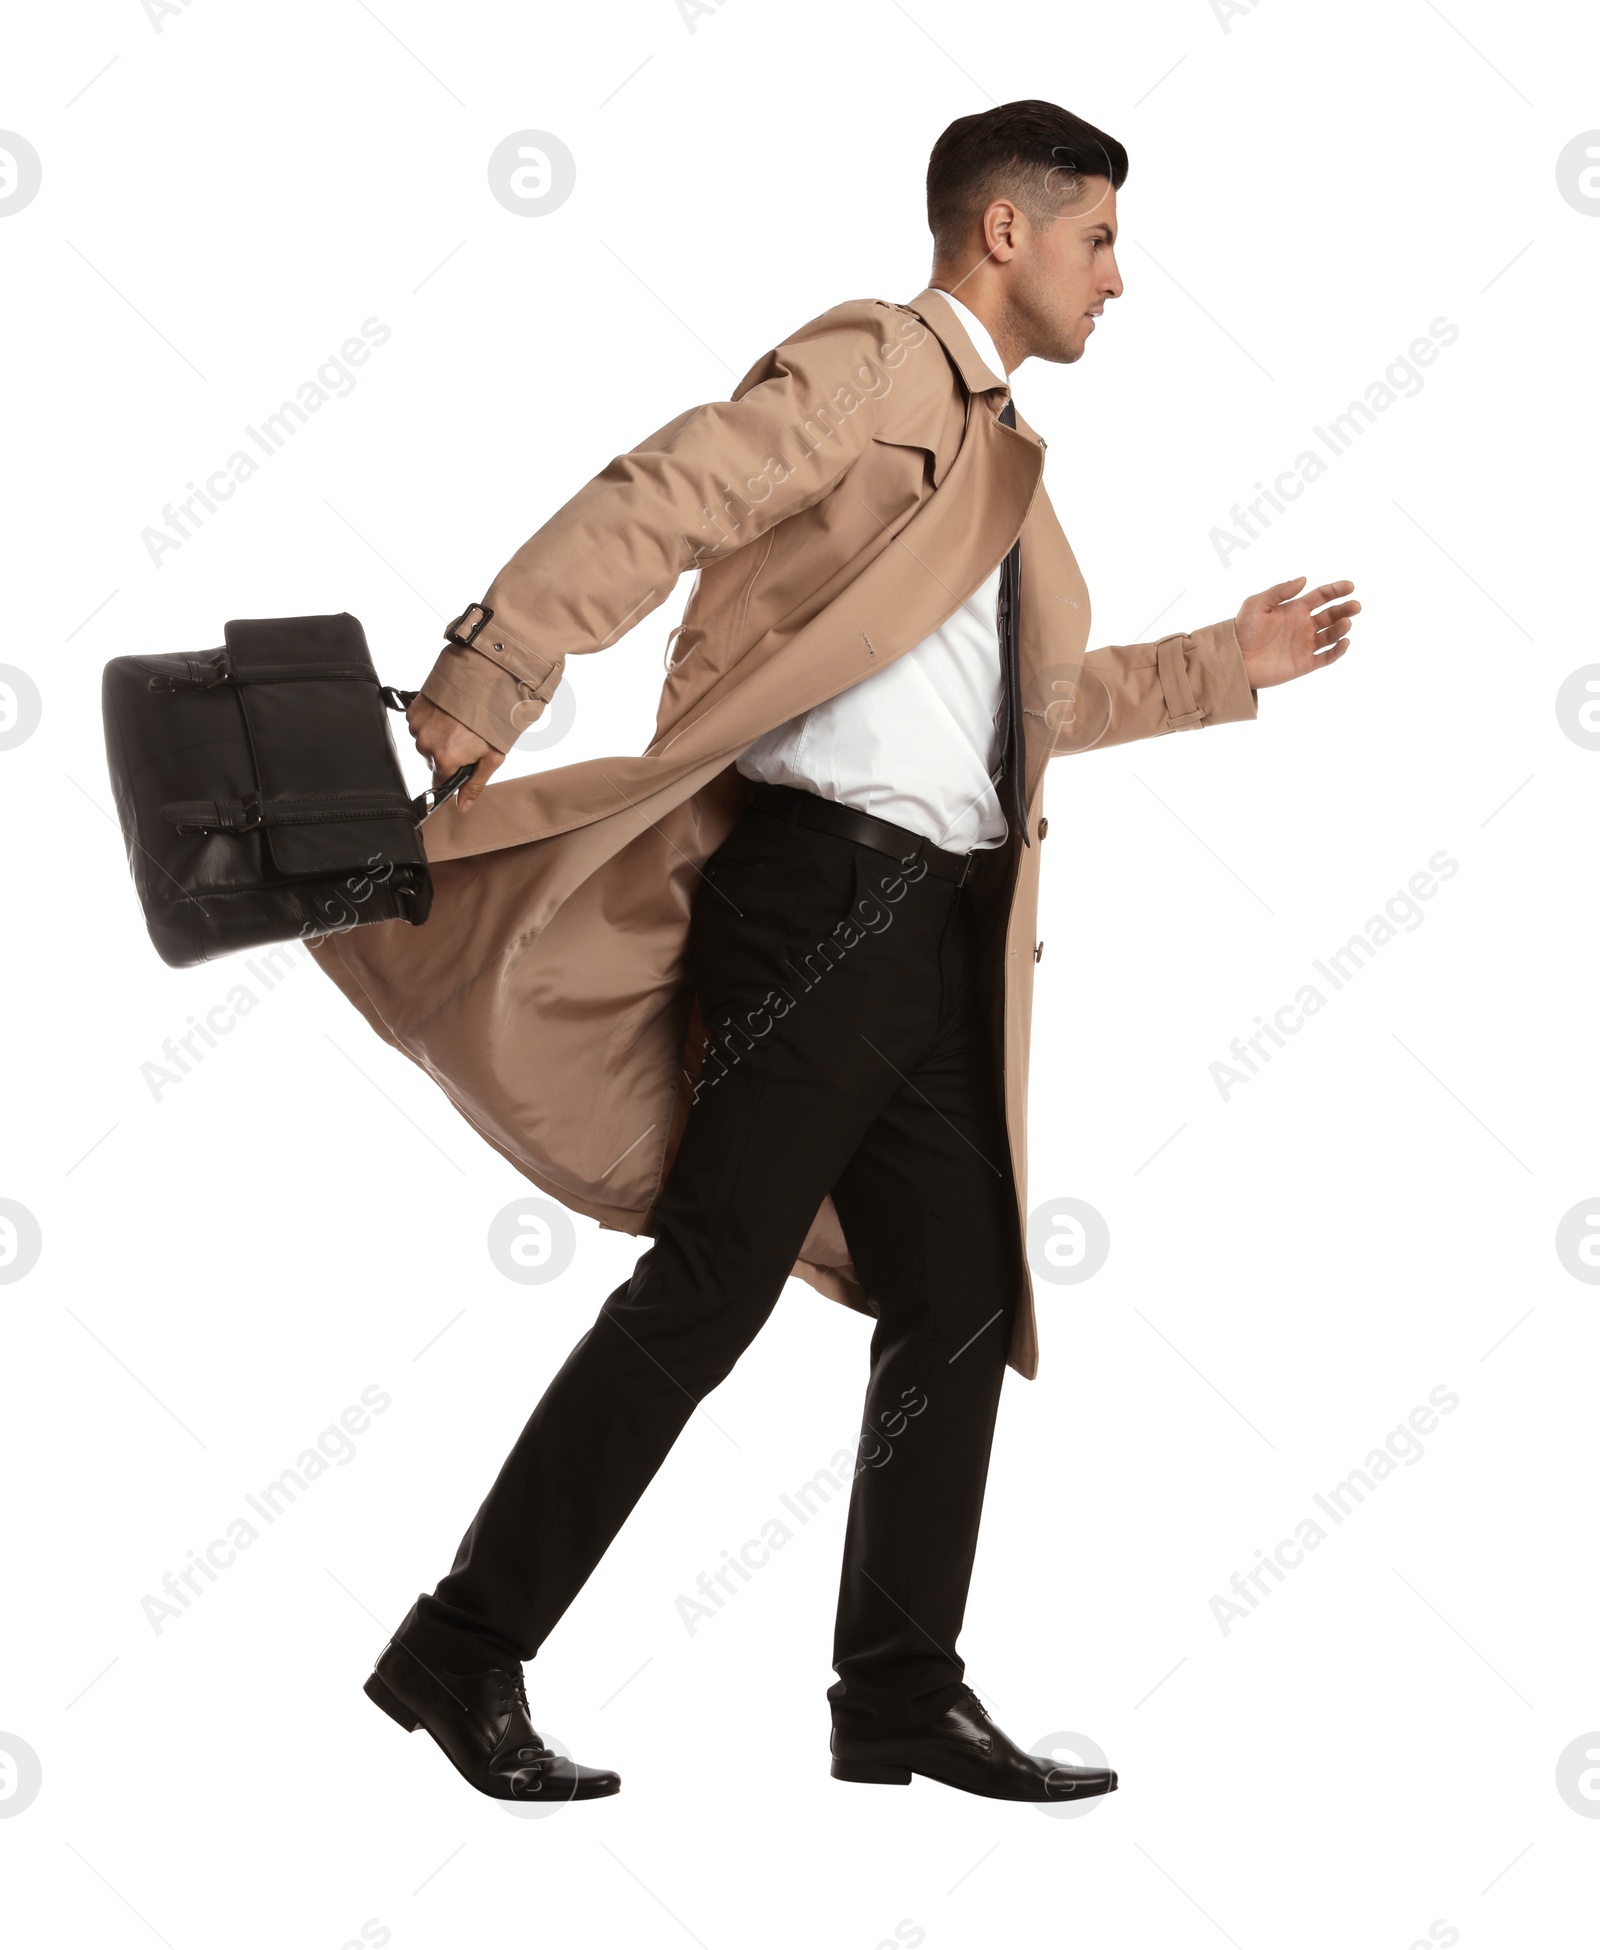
x: 1013, y: 757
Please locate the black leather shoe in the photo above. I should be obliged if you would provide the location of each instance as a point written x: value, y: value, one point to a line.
x: 480, y: 1719
x: 965, y: 1749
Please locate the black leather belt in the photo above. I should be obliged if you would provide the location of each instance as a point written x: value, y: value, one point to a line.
x: 864, y: 829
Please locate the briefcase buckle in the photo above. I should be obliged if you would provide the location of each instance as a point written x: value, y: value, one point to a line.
x: 215, y: 672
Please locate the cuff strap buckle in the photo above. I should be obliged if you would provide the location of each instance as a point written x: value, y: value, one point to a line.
x: 471, y: 635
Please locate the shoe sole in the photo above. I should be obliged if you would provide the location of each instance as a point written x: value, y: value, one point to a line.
x: 868, y: 1771
x: 877, y: 1776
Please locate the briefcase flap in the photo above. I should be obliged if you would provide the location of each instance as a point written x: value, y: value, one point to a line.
x: 280, y: 648
x: 314, y: 712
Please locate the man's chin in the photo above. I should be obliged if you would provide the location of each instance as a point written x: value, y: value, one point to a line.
x: 1071, y: 348
x: 1065, y: 345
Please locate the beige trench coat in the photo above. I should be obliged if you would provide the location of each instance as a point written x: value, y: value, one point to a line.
x: 850, y: 496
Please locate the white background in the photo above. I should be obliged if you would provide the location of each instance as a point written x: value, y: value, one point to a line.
x: 228, y: 192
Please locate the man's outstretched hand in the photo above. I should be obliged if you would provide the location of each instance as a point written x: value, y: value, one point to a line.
x: 448, y: 745
x: 1284, y: 634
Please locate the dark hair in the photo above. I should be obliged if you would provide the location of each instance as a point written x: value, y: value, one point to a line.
x: 1034, y: 152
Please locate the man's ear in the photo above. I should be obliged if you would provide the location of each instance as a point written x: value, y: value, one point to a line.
x: 1000, y: 227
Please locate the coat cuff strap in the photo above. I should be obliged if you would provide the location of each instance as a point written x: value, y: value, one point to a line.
x: 471, y: 631
x: 489, y: 680
x: 1183, y: 714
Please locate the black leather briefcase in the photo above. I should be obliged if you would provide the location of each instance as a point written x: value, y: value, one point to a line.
x: 260, y: 791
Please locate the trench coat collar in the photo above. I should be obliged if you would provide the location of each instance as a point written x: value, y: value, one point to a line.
x: 935, y: 310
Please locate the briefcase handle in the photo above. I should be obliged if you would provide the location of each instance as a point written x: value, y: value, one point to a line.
x: 435, y: 796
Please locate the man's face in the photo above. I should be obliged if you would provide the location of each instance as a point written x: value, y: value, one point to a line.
x: 1063, y: 274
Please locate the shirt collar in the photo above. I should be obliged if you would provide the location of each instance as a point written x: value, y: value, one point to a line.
x: 959, y: 330
x: 978, y: 332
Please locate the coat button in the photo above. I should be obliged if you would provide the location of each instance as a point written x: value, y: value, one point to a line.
x: 1044, y: 827
x: 1038, y: 953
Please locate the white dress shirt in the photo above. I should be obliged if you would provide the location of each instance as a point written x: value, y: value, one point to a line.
x: 919, y: 741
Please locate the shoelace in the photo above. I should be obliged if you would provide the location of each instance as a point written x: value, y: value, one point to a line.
x: 535, y: 1757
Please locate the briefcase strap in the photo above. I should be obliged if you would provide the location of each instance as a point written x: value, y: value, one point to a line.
x: 252, y: 812
x: 211, y: 673
x: 247, y: 814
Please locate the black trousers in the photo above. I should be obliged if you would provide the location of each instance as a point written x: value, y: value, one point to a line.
x: 850, y: 1055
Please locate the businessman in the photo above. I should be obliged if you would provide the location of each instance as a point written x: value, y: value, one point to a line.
x: 763, y: 993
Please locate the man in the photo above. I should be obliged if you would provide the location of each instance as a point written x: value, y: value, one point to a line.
x: 764, y: 992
